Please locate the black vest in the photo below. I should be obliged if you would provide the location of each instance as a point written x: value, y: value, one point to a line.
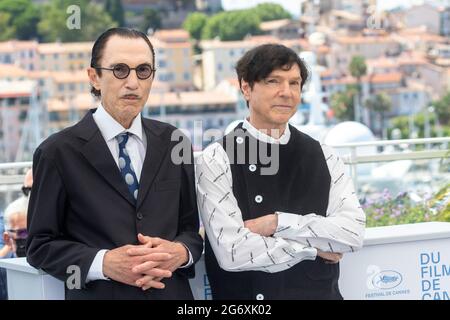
x: 301, y: 185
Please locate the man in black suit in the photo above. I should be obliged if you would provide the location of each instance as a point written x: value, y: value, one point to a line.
x: 111, y: 212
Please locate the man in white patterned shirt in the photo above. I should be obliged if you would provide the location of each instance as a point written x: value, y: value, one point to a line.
x: 277, y: 207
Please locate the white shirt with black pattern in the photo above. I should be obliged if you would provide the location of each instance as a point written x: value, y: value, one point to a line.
x: 297, y: 236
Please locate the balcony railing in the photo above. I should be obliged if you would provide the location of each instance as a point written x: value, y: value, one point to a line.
x: 353, y: 155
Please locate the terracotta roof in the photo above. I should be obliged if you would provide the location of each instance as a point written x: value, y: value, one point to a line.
x: 373, y: 78
x: 15, y: 45
x: 189, y: 98
x: 246, y: 43
x: 70, y: 76
x: 56, y: 47
x: 168, y: 34
x: 274, y: 24
x: 157, y: 43
x: 11, y: 70
x: 385, y: 77
x: 83, y: 101
x: 419, y: 34
x: 363, y: 40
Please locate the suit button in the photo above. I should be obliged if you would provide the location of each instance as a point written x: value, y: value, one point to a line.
x: 139, y: 216
x: 258, y: 199
x: 252, y: 168
x: 259, y: 296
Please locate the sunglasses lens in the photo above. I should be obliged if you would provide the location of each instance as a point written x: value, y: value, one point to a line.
x: 144, y: 71
x: 121, y: 71
x: 22, y: 233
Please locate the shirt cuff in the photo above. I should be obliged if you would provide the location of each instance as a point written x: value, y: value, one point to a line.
x: 190, y: 261
x: 96, y: 269
x: 285, y: 221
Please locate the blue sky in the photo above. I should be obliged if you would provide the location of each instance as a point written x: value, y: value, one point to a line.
x: 294, y: 5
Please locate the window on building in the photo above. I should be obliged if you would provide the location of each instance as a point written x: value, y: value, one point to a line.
x: 162, y: 63
x: 8, y: 58
x: 187, y: 76
x: 24, y: 100
x: 53, y: 116
x: 11, y: 102
x: 23, y: 115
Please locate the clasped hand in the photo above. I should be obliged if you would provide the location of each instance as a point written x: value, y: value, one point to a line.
x: 145, y: 265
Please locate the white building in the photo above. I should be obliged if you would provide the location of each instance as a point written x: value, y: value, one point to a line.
x: 435, y: 18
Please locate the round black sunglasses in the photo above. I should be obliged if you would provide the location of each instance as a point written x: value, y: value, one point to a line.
x: 122, y: 70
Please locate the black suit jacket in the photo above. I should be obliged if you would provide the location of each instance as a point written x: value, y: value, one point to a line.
x: 80, y: 204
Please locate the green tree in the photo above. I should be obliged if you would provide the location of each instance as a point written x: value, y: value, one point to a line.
x: 343, y: 103
x: 442, y: 109
x: 115, y: 10
x: 152, y: 20
x: 23, y: 18
x: 232, y: 25
x: 7, y: 31
x: 358, y: 69
x: 380, y: 104
x: 402, y: 123
x: 53, y: 26
x: 271, y: 11
x: 194, y: 24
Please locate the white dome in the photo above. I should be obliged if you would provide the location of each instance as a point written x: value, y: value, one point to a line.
x: 350, y: 132
x: 317, y: 39
x: 347, y: 132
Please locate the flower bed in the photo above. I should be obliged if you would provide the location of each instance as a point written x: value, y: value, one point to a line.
x: 386, y: 210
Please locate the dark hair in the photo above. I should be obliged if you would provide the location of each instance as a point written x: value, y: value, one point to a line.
x: 257, y: 63
x: 99, y: 46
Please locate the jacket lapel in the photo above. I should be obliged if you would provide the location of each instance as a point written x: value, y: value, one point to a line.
x: 156, y: 151
x: 98, y: 155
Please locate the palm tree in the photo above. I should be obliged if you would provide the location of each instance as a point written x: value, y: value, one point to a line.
x: 380, y: 104
x: 358, y: 69
x: 343, y: 103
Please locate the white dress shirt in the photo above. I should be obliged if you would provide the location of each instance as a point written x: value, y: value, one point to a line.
x: 297, y: 236
x: 136, y: 147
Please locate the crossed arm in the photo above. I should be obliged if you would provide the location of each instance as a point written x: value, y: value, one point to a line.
x: 277, y: 240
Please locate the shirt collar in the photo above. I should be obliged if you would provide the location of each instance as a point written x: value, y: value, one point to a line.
x: 110, y: 128
x: 284, y: 139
